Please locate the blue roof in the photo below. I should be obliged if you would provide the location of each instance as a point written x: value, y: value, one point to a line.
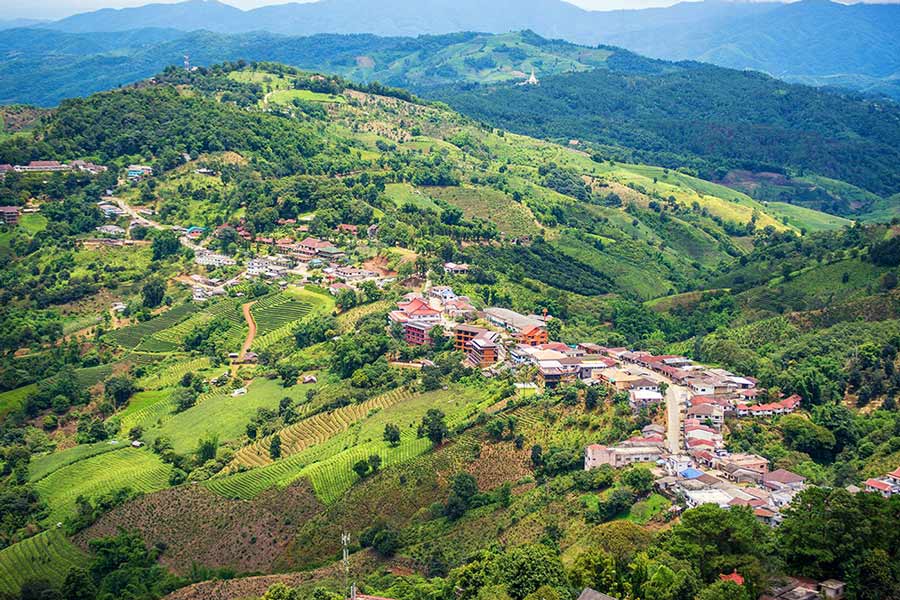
x: 691, y: 473
x: 195, y: 228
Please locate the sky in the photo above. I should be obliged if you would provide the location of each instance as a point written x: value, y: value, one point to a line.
x: 56, y: 9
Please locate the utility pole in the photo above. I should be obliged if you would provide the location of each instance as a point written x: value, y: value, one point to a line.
x: 345, y: 544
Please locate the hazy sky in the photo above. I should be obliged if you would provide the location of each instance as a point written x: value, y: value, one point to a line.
x: 55, y: 9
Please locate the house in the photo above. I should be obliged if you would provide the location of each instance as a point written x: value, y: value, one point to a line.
x: 336, y: 288
x: 894, y: 476
x: 783, y: 479
x: 638, y: 398
x: 42, y: 166
x: 211, y: 259
x: 879, y: 486
x: 483, y: 349
x: 443, y: 293
x: 653, y: 430
x: 307, y: 379
x: 139, y: 171
x: 643, y: 384
x: 619, y: 456
x: 452, y: 268
x: 415, y: 309
x: 87, y: 167
x: 241, y: 391
x: 711, y: 413
x: 463, y: 334
x: 592, y: 367
x: 589, y: 594
x: 678, y: 463
x: 112, y: 230
x: 6, y: 168
x: 750, y: 462
x: 832, y: 589
x: 695, y: 498
x: 311, y: 246
x: 415, y: 332
x: 347, y: 228
x: 9, y: 214
x: 533, y: 336
x: 459, y: 308
x: 353, y: 273
x: 553, y: 372
x: 511, y: 320
x: 733, y: 577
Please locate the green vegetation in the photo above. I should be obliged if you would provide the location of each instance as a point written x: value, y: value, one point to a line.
x: 47, y: 556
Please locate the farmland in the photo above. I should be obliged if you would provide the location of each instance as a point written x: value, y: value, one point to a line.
x: 510, y: 217
x: 332, y: 445
x: 132, y: 336
x: 47, y: 556
x: 138, y: 469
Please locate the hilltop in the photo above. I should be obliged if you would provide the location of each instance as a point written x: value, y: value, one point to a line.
x: 236, y: 309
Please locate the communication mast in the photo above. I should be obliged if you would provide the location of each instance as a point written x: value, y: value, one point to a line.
x: 187, y: 62
x: 345, y: 544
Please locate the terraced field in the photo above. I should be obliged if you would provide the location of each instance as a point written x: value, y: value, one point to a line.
x: 139, y: 469
x: 46, y: 556
x: 215, y: 412
x: 43, y: 466
x: 273, y: 312
x: 172, y: 374
x: 132, y: 336
x: 348, y: 320
x: 14, y: 399
x: 329, y: 464
x: 315, y: 430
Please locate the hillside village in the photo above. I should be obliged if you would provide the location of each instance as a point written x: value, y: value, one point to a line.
x: 403, y: 374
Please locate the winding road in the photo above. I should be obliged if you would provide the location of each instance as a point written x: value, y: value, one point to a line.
x: 248, y: 341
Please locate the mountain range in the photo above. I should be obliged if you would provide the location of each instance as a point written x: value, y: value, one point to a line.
x: 812, y: 41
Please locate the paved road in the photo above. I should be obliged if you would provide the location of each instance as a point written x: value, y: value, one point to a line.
x: 676, y: 398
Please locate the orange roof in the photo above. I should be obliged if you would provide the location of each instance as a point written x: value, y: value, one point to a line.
x: 895, y: 473
x: 733, y: 576
x: 884, y: 486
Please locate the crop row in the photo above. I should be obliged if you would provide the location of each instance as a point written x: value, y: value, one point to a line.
x: 172, y: 374
x: 40, y: 467
x: 274, y: 312
x: 315, y: 430
x: 132, y: 336
x: 140, y: 470
x: 46, y: 556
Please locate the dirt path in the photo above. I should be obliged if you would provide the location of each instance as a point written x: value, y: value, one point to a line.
x: 248, y: 341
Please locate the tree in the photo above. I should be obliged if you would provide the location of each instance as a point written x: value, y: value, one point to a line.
x: 185, y: 398
x: 207, y: 448
x: 391, y: 434
x: 118, y: 389
x: 280, y: 591
x: 153, y: 293
x: 78, y: 585
x: 288, y: 374
x: 275, y: 447
x: 165, y: 243
x: 537, y: 456
x: 638, y: 479
x: 724, y: 590
x: 545, y: 592
x: 433, y: 426
x: 361, y: 468
x: 374, y: 462
x: 386, y: 542
x: 525, y: 569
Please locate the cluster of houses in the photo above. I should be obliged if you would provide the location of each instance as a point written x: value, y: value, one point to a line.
x: 721, y: 478
x: 887, y: 486
x: 51, y: 166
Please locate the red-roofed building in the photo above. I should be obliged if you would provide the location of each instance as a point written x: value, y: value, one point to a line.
x: 347, y: 228
x: 43, y: 165
x: 734, y: 577
x: 894, y: 476
x: 9, y: 214
x: 533, y: 336
x: 878, y: 486
x: 415, y: 309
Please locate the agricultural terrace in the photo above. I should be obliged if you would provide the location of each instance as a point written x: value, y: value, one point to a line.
x: 133, y: 335
x: 511, y: 217
x: 138, y: 469
x: 216, y: 412
x: 47, y: 556
x: 277, y: 315
x: 43, y: 466
x: 328, y: 465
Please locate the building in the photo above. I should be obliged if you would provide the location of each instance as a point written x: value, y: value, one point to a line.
x: 463, y: 334
x: 639, y: 398
x: 589, y: 594
x: 484, y: 349
x: 444, y: 293
x: 42, y: 166
x: 414, y: 309
x: 139, y: 171
x: 694, y: 498
x: 533, y: 336
x: 349, y: 229
x: 459, y: 308
x: 112, y: 230
x: 452, y: 268
x: 780, y: 479
x: 711, y: 413
x: 510, y: 319
x: 87, y: 167
x: 416, y: 332
x: 880, y: 486
x: 596, y: 455
x: 9, y: 214
x: 211, y: 259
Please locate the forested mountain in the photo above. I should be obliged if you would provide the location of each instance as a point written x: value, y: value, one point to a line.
x: 43, y: 67
x: 814, y: 41
x: 716, y: 121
